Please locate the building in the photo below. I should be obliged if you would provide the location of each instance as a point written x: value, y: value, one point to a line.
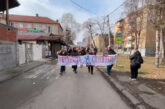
x: 33, y: 24
x: 146, y: 39
x: 38, y: 37
x: 8, y: 40
x: 101, y: 42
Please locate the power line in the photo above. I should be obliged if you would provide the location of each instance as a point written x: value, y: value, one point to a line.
x: 116, y: 8
x: 82, y: 7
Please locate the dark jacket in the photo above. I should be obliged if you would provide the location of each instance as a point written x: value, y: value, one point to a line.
x: 74, y: 53
x: 110, y: 52
x: 136, y: 59
x: 69, y: 51
x: 82, y: 52
x: 91, y: 51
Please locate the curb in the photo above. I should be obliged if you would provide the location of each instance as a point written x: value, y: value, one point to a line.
x: 9, y: 76
x: 123, y: 92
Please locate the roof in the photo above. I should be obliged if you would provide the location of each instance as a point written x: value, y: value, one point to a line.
x: 12, y: 4
x: 32, y: 19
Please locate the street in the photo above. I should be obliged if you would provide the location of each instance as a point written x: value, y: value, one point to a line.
x: 43, y: 88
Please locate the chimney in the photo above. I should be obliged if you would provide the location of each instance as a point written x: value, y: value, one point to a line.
x: 57, y: 21
x: 37, y: 15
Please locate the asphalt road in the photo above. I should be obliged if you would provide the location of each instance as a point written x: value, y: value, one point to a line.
x: 43, y: 88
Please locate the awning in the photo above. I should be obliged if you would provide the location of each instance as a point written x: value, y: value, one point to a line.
x: 38, y: 38
x: 12, y: 4
x: 28, y: 37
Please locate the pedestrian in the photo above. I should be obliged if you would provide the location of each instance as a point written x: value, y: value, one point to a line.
x: 136, y: 61
x: 74, y: 53
x: 69, y: 51
x: 62, y: 52
x: 82, y: 53
x: 91, y: 51
x: 110, y: 51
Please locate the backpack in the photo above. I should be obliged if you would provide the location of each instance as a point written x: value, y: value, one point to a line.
x: 140, y: 60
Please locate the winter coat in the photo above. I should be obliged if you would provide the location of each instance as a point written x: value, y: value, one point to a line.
x: 110, y: 52
x: 82, y: 52
x: 91, y: 51
x: 136, y: 59
x: 74, y: 53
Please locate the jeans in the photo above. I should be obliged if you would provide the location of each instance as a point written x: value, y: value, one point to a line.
x: 62, y: 69
x: 109, y: 67
x: 74, y: 68
x: 90, y: 69
x: 134, y: 71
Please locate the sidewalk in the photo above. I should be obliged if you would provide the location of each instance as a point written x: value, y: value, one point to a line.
x: 12, y: 72
x: 140, y: 93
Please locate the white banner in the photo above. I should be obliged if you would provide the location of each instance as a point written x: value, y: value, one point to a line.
x: 87, y: 60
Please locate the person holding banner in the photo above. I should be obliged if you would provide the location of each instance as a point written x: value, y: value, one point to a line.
x: 74, y: 53
x: 91, y: 51
x: 62, y: 52
x: 110, y: 51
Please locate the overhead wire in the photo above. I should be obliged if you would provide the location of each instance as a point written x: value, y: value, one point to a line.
x: 78, y: 5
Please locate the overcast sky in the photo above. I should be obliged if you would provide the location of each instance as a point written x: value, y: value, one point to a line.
x: 55, y: 8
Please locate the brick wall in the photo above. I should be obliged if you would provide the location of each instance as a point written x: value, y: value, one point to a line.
x: 7, y: 33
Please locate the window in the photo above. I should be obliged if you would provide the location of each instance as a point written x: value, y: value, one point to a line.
x: 36, y: 26
x: 20, y: 25
x: 51, y: 29
x: 29, y: 25
x: 43, y: 27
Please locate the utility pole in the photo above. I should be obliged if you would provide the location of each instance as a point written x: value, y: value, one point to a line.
x: 109, y: 29
x: 7, y: 12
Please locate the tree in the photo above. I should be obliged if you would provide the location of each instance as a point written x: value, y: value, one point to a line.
x: 134, y: 10
x: 156, y: 17
x: 70, y: 26
x: 89, y: 26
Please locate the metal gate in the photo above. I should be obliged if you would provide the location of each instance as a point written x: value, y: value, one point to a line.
x: 29, y: 52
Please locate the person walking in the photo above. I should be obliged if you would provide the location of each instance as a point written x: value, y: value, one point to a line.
x: 136, y: 61
x: 74, y: 53
x: 62, y: 52
x: 110, y: 51
x: 91, y: 51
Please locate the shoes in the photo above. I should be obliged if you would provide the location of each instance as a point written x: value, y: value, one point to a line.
x: 75, y: 71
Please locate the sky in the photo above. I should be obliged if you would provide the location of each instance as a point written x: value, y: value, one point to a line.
x: 54, y: 9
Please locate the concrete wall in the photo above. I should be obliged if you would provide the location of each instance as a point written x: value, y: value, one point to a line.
x: 8, y: 57
x: 37, y: 52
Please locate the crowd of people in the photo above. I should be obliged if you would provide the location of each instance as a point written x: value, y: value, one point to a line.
x: 136, y: 59
x: 77, y: 51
